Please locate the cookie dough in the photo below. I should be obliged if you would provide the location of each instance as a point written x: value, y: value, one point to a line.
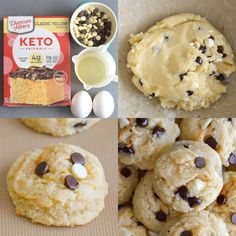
x: 202, y: 223
x: 220, y: 134
x: 141, y: 140
x: 128, y: 225
x: 46, y: 188
x: 182, y: 60
x: 128, y: 177
x: 148, y: 208
x: 225, y: 204
x: 188, y: 176
x: 59, y: 127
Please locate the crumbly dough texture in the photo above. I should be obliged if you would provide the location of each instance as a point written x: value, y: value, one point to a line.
x: 59, y: 126
x: 45, y: 199
x: 223, y: 130
x: 147, y: 146
x: 128, y: 225
x: 176, y: 168
x: 200, y: 223
x: 226, y: 210
x: 163, y: 61
x: 146, y: 204
x: 127, y: 185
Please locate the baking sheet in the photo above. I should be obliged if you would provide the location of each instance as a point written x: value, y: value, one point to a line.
x: 137, y: 16
x: 100, y: 140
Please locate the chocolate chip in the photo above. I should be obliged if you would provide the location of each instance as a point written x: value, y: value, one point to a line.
x: 233, y: 218
x: 189, y: 92
x: 140, y: 82
x: 161, y: 216
x: 182, y: 192
x: 199, y: 60
x: 211, y: 142
x: 77, y: 158
x: 186, y: 233
x: 41, y: 168
x: 156, y: 196
x: 220, y: 49
x: 211, y: 37
x: 83, y: 31
x: 152, y: 95
x: 232, y: 159
x: 186, y: 146
x: 141, y: 122
x: 157, y: 131
x: 220, y: 77
x: 80, y: 124
x: 230, y: 119
x: 125, y: 172
x: 224, y: 55
x: 71, y: 182
x: 194, y: 201
x: 203, y: 49
x: 221, y: 199
x: 181, y: 76
x: 166, y: 38
x: 122, y: 148
x: 200, y: 162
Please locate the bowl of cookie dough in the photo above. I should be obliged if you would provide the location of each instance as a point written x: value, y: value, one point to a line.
x: 177, y: 58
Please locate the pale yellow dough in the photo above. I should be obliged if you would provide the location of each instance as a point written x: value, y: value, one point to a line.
x: 163, y: 61
x: 46, y: 199
x: 59, y: 126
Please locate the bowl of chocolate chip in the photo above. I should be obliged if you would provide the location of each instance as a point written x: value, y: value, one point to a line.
x: 93, y: 24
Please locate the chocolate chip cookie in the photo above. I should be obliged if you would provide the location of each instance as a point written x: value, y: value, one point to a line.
x: 225, y: 204
x: 61, y: 185
x: 218, y: 133
x: 188, y: 176
x: 141, y: 140
x: 60, y: 126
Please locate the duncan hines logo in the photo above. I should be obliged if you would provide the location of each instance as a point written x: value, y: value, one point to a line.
x: 20, y: 24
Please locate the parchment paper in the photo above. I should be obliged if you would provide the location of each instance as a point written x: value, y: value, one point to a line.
x: 138, y: 16
x: 100, y: 140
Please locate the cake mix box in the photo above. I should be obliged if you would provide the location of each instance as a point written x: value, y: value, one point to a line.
x: 36, y: 63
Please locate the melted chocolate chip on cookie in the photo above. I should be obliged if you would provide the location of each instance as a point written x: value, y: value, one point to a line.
x: 77, y: 158
x: 211, y: 142
x: 233, y: 218
x: 158, y: 131
x: 126, y: 172
x: 182, y: 192
x: 232, y: 159
x: 221, y: 199
x: 41, y: 168
x: 71, y: 182
x: 123, y: 148
x: 200, y: 162
x: 194, y: 201
x: 161, y: 216
x: 186, y: 233
x: 141, y: 122
x: 80, y: 124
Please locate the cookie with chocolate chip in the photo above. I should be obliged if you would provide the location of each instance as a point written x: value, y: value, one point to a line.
x: 225, y: 204
x: 148, y: 207
x: 200, y: 223
x: 45, y: 189
x: 188, y: 176
x: 128, y: 177
x: 218, y: 133
x: 142, y: 139
x: 59, y: 126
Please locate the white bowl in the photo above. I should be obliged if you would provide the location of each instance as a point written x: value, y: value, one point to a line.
x: 101, y: 7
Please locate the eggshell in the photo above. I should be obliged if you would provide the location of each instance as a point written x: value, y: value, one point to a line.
x: 81, y: 106
x: 103, y: 104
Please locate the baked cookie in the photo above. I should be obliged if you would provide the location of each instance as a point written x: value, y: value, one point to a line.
x: 141, y: 140
x: 128, y: 177
x: 182, y: 60
x: 128, y: 225
x: 147, y: 206
x: 225, y: 204
x: 202, y: 223
x: 61, y: 185
x: 59, y: 126
x: 188, y: 176
x: 220, y: 134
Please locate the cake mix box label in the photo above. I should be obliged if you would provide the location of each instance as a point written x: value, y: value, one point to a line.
x: 36, y: 61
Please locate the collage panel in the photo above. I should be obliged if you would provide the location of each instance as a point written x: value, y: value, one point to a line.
x: 57, y: 172
x: 176, y: 177
x: 59, y: 59
x: 176, y: 58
